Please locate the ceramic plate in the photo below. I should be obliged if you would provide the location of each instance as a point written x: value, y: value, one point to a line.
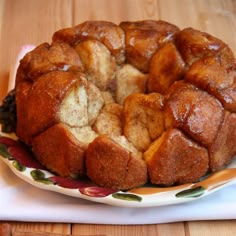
x: 19, y: 159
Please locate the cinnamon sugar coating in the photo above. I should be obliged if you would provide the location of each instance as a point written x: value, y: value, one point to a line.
x: 129, y: 104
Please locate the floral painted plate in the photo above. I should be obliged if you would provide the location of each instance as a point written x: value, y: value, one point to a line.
x: 21, y: 162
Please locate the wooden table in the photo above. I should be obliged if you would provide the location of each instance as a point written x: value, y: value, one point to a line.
x: 34, y: 21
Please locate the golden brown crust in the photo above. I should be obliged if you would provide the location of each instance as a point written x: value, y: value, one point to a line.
x: 42, y: 102
x: 110, y: 165
x: 194, y: 45
x: 111, y: 35
x: 22, y: 91
x: 60, y: 151
x: 46, y: 58
x: 166, y: 66
x: 194, y: 111
x: 228, y: 97
x: 175, y: 159
x: 143, y: 38
x: 217, y: 77
x: 223, y: 148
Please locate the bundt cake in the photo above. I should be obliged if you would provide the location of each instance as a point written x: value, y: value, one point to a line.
x: 129, y: 104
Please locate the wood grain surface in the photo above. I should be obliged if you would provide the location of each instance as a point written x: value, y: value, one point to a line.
x: 34, y: 21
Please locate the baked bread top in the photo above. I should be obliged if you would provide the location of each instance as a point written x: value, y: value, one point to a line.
x: 129, y: 103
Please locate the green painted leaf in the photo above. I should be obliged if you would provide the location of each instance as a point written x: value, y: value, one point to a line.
x: 3, y: 151
x: 18, y: 166
x: 127, y: 197
x: 39, y: 176
x: 192, y: 192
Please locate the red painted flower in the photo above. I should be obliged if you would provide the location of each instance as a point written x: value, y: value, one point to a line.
x: 95, y: 191
x: 70, y: 183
